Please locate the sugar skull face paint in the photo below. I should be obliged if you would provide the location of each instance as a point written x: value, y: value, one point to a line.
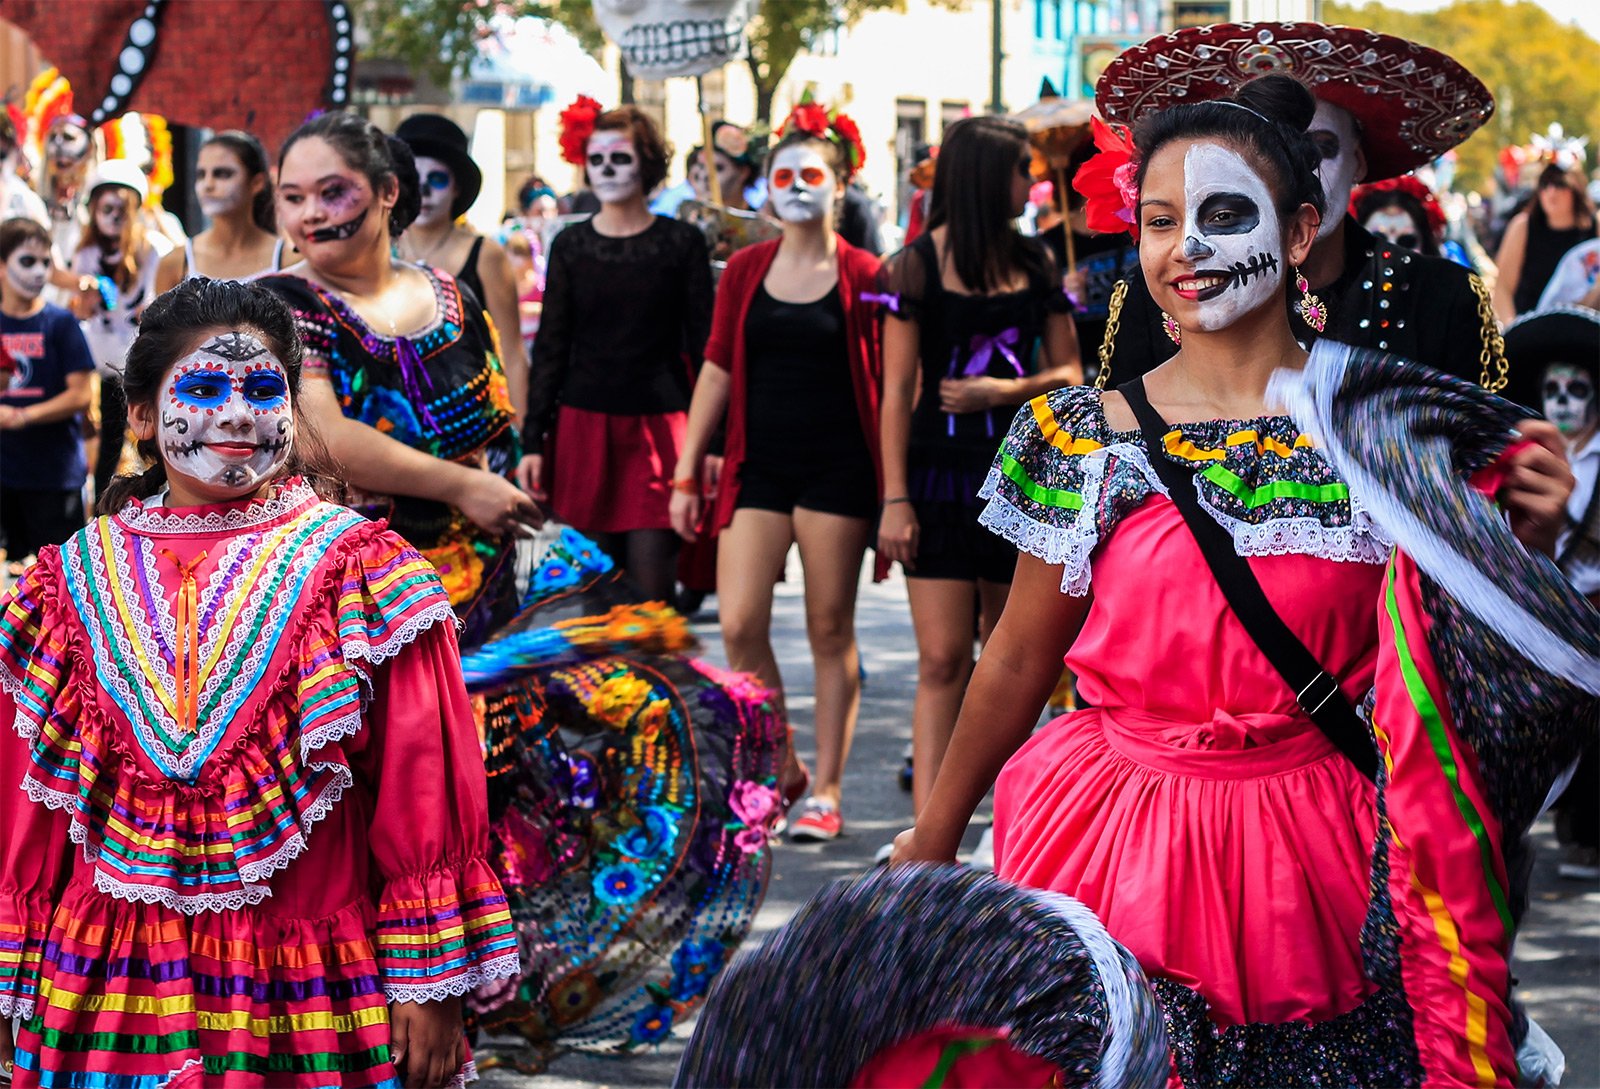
x: 1333, y: 130
x: 613, y: 166
x: 221, y: 184
x: 438, y: 191
x: 112, y: 207
x: 1396, y: 225
x: 226, y: 423
x: 28, y: 268
x: 67, y: 144
x: 344, y: 202
x: 1568, y: 398
x: 802, y: 184
x: 1231, y: 237
x: 321, y: 198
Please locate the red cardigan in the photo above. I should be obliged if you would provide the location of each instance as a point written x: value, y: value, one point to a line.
x: 858, y: 273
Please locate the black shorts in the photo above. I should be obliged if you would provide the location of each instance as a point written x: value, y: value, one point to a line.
x: 31, y: 518
x: 843, y: 486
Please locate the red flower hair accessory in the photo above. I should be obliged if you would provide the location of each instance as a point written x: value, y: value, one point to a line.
x: 577, y: 125
x: 831, y: 125
x: 1110, y: 193
x: 1412, y: 186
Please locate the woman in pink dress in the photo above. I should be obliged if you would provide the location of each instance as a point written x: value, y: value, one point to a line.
x: 1193, y: 805
x: 242, y: 805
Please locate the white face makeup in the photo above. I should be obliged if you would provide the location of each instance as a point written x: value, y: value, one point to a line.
x: 67, y: 145
x: 28, y: 268
x: 802, y: 184
x: 1231, y: 236
x: 220, y: 183
x: 112, y: 207
x: 438, y: 190
x: 1395, y: 225
x: 1568, y: 398
x: 613, y: 166
x: 226, y: 423
x: 1333, y: 130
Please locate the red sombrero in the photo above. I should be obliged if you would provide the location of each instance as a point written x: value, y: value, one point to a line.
x: 1414, y: 103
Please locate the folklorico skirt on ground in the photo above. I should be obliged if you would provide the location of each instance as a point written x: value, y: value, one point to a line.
x: 632, y: 791
x: 613, y: 474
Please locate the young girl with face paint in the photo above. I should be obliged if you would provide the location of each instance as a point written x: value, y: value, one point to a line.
x: 977, y: 324
x: 622, y: 331
x: 403, y: 369
x: 793, y: 368
x: 254, y: 694
x: 44, y: 386
x: 234, y: 189
x: 1193, y: 805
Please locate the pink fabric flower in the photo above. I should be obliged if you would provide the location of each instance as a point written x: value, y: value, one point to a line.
x: 754, y: 804
x: 751, y: 840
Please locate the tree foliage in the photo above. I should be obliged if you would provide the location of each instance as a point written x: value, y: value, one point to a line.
x: 1539, y: 69
x: 437, y: 37
x: 782, y: 29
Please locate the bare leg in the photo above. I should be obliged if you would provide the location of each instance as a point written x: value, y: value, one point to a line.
x: 831, y: 548
x: 943, y: 613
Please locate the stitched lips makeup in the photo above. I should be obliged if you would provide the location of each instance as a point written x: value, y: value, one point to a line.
x: 339, y: 231
x: 226, y: 420
x: 1231, y: 238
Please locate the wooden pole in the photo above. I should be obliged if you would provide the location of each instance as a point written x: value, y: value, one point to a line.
x: 709, y: 155
x: 1066, y: 219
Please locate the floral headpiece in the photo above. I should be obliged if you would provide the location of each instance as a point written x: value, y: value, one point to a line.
x: 1412, y: 186
x: 577, y: 125
x: 1110, y: 193
x: 831, y: 125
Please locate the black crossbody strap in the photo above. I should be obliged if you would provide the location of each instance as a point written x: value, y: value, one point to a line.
x: 1317, y: 692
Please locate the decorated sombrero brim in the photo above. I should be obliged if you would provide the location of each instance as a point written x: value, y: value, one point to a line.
x: 1563, y: 334
x: 1414, y: 103
x: 894, y: 977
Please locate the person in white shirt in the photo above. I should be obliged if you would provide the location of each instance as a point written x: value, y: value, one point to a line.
x: 1575, y: 277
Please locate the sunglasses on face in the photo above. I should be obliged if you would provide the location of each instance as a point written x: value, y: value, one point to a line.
x: 1578, y: 389
x: 437, y: 180
x: 783, y: 177
x: 616, y: 158
x: 1409, y: 240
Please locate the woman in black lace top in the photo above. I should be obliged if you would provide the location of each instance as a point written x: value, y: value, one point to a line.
x: 627, y: 308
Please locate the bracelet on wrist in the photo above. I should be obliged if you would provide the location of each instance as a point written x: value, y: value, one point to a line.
x: 686, y: 486
x: 896, y: 499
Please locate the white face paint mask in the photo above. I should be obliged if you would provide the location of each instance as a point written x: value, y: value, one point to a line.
x: 438, y: 191
x: 802, y: 184
x: 1231, y: 236
x: 27, y: 269
x: 1568, y: 398
x: 613, y: 167
x: 1333, y: 130
x: 111, y: 212
x: 1396, y: 226
x: 220, y: 184
x: 226, y: 422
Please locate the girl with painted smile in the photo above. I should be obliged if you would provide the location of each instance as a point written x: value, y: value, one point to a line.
x: 1224, y: 832
x: 244, y: 814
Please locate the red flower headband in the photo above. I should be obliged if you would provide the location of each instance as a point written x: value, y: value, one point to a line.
x: 831, y: 125
x: 1110, y: 193
x: 1412, y: 186
x: 577, y: 125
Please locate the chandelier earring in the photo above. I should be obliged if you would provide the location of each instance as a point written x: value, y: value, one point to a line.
x: 1312, y: 310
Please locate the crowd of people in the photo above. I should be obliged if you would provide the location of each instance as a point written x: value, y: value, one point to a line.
x: 312, y: 777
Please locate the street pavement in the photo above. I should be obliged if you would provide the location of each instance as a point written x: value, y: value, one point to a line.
x: 1558, y: 963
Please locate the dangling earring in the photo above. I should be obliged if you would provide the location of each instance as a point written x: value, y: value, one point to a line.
x: 1312, y: 310
x: 1169, y: 326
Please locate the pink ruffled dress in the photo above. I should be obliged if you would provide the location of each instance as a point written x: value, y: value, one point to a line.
x: 242, y: 804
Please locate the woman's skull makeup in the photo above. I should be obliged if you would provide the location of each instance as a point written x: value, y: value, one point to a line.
x: 613, y: 165
x: 1334, y: 132
x: 225, y: 420
x: 221, y: 185
x: 802, y: 184
x: 112, y: 207
x: 438, y: 191
x: 28, y: 268
x: 1396, y: 225
x: 1568, y: 398
x: 729, y: 179
x: 67, y: 144
x: 1231, y: 236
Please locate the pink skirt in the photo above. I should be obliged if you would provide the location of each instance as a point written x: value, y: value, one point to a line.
x: 1231, y: 857
x: 613, y: 474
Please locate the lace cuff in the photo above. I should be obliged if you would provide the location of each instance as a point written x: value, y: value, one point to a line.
x: 445, y: 932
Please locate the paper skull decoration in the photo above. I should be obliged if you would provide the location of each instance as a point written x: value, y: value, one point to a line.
x: 664, y: 38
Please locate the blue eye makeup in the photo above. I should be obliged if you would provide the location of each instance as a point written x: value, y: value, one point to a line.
x: 202, y: 389
x: 265, y: 389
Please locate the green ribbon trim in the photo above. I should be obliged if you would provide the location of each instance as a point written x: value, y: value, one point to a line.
x: 954, y: 1052
x: 1045, y: 497
x: 1277, y: 489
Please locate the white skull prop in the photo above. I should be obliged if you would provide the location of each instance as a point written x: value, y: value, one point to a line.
x: 664, y: 38
x: 1230, y: 234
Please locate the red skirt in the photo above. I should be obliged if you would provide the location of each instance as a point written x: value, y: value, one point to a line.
x: 613, y: 474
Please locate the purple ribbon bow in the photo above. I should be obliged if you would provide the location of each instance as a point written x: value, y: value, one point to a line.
x: 412, y: 376
x: 981, y: 352
x: 888, y: 300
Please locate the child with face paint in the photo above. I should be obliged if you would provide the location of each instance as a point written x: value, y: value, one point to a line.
x: 234, y: 189
x: 403, y: 367
x: 255, y: 694
x: 44, y: 388
x: 622, y: 332
x: 793, y: 365
x: 1194, y: 805
x: 977, y: 323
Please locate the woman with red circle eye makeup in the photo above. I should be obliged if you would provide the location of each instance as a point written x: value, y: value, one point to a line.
x: 793, y: 369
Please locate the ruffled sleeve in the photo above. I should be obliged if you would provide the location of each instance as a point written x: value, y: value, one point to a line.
x: 1062, y: 480
x: 34, y: 854
x: 443, y: 923
x: 903, y: 281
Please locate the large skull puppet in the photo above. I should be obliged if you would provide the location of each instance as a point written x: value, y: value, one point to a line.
x: 664, y: 38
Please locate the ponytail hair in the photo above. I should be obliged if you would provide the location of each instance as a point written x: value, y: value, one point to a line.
x: 253, y: 157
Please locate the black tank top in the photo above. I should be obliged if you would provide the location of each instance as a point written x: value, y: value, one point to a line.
x: 799, y: 395
x: 1546, y: 247
x: 468, y: 276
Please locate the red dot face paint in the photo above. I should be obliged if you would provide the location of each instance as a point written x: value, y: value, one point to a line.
x: 226, y: 422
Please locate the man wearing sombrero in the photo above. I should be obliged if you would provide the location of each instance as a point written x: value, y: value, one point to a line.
x: 1385, y: 106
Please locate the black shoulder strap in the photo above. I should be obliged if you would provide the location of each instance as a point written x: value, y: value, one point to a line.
x: 1317, y: 692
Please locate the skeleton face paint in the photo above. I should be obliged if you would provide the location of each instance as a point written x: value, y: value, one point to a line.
x: 1333, y: 130
x: 438, y: 191
x: 1396, y: 225
x: 28, y: 268
x: 802, y: 184
x: 321, y: 199
x: 1231, y: 237
x: 67, y: 144
x: 613, y: 166
x: 1568, y: 398
x: 226, y: 423
x: 112, y: 206
x: 221, y: 184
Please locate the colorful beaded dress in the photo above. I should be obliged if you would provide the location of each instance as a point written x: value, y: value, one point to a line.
x: 243, y: 802
x: 441, y: 391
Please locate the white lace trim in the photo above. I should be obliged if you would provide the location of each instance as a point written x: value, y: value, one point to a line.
x: 149, y: 517
x: 260, y: 871
x: 337, y: 730
x: 16, y: 1006
x: 501, y: 967
x: 357, y: 649
x: 190, y: 1065
x: 185, y: 903
x: 21, y: 722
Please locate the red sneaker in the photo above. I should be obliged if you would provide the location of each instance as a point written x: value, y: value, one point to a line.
x: 818, y: 822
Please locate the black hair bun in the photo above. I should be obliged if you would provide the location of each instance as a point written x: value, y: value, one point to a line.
x: 409, y: 201
x: 1279, y: 98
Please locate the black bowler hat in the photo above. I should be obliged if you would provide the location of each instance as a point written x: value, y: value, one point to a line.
x: 437, y: 137
x: 1564, y: 334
